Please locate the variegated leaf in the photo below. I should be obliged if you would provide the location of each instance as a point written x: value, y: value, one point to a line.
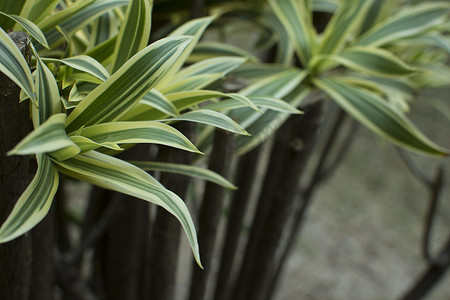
x: 30, y: 27
x: 378, y: 116
x: 137, y: 132
x: 409, y: 22
x: 134, y: 32
x: 34, y: 204
x: 296, y: 18
x: 83, y: 63
x: 13, y: 65
x: 48, y: 137
x: 188, y: 170
x: 113, y: 98
x: 115, y: 174
x: 212, y: 118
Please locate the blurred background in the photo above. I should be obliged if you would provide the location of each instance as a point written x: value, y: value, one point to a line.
x: 362, y: 235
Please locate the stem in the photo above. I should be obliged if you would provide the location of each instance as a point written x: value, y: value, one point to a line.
x: 435, y: 190
x: 301, y: 132
x: 213, y: 198
x: 274, y: 170
x: 431, y: 276
x: 164, y: 240
x: 319, y: 175
x: 245, y: 178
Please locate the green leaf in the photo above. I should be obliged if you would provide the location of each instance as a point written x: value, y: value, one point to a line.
x: 211, y: 49
x: 47, y: 90
x: 379, y: 116
x: 296, y: 18
x: 83, y: 63
x: 48, y: 137
x: 112, y: 173
x: 278, y: 85
x: 260, y: 101
x: 137, y: 132
x: 13, y: 65
x: 266, y: 124
x: 85, y: 144
x: 103, y: 52
x: 153, y: 106
x: 374, y: 61
x: 159, y: 101
x: 195, y: 82
x: 134, y: 32
x: 30, y: 27
x: 376, y: 11
x: 104, y: 28
x: 76, y: 17
x: 285, y: 48
x: 42, y: 9
x: 409, y: 22
x: 34, y: 204
x: 328, y: 6
x: 188, y: 170
x: 217, y: 65
x: 213, y: 118
x: 16, y: 7
x: 113, y: 98
x: 194, y: 28
x: 344, y: 21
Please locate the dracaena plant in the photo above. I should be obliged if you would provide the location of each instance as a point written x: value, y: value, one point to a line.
x: 97, y: 89
x: 371, y: 59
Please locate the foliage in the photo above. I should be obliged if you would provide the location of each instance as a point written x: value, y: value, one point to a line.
x: 368, y: 59
x: 97, y: 89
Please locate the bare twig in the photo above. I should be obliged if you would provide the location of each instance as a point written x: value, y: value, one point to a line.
x: 431, y: 276
x: 435, y: 191
x: 434, y: 187
x: 318, y: 176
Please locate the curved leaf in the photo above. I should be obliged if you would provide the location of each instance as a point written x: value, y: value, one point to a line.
x: 75, y: 17
x: 42, y: 9
x: 265, y: 125
x: 113, y: 98
x: 296, y: 18
x: 159, y: 101
x: 134, y: 32
x: 374, y: 61
x: 47, y: 91
x: 83, y: 63
x: 48, y: 137
x: 112, y: 173
x: 34, y: 204
x: 377, y: 115
x: 211, y: 49
x: 30, y: 27
x: 347, y: 18
x: 137, y: 132
x: 195, y: 82
x: 409, y: 22
x: 194, y: 28
x: 188, y: 170
x: 13, y: 65
x: 260, y: 101
x: 213, y: 118
x: 216, y: 65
